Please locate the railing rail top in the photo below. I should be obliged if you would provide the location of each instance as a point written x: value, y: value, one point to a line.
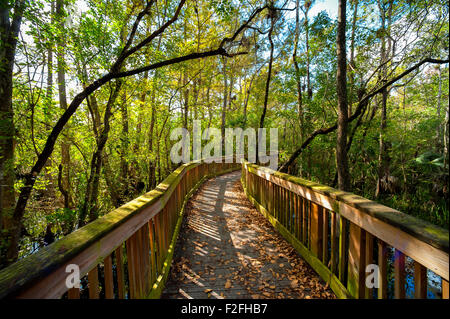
x: 25, y: 271
x: 434, y: 235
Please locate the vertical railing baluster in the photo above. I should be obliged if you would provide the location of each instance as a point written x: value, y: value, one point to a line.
x: 145, y: 256
x: 382, y: 268
x: 109, y: 281
x: 297, y: 214
x: 368, y: 294
x: 73, y: 293
x: 399, y: 274
x: 305, y: 221
x: 293, y: 218
x: 132, y: 266
x: 325, y: 236
x: 139, y: 263
x: 93, y: 283
x: 356, y: 260
x: 316, y: 230
x: 118, y: 253
x: 151, y: 234
x: 334, y: 243
x: 420, y: 281
x: 342, y: 262
x: 444, y: 288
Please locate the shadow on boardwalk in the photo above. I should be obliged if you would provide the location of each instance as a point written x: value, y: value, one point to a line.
x: 227, y: 249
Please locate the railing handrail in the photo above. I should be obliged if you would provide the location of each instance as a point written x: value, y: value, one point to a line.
x: 46, y: 259
x: 429, y: 243
x: 89, y: 244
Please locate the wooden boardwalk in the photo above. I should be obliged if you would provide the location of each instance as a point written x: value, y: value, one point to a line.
x: 227, y: 249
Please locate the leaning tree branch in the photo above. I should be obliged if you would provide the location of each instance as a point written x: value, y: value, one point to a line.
x: 361, y: 106
x: 127, y: 52
x: 31, y: 177
x: 136, y: 24
x: 192, y: 56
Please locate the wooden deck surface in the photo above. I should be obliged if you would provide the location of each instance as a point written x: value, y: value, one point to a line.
x: 227, y: 249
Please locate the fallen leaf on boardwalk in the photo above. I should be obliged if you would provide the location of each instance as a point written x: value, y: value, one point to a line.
x: 294, y: 283
x: 265, y: 293
x: 255, y: 296
x: 272, y: 287
x: 208, y: 290
x: 228, y: 284
x: 281, y: 265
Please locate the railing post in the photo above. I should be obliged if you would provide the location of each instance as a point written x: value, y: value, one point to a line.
x: 109, y: 285
x: 325, y: 236
x: 369, y: 260
x: 356, y: 261
x: 93, y: 283
x: 73, y: 293
x: 382, y: 267
x: 132, y: 267
x: 120, y: 272
x: 316, y: 230
x: 444, y: 287
x: 420, y: 281
x: 334, y: 243
x: 305, y: 221
x: 399, y: 270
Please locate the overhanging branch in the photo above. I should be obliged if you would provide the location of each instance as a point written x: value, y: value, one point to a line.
x: 361, y: 105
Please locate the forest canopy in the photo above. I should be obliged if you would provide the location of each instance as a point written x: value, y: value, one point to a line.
x: 91, y: 89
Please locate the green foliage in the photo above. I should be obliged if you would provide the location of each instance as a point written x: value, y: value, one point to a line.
x: 150, y: 105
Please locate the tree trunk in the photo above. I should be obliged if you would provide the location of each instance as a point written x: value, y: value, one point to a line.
x: 49, y: 93
x: 298, y: 79
x: 267, y: 89
x: 151, y: 163
x: 341, y: 77
x: 65, y: 145
x: 113, y: 190
x: 224, y: 105
x: 142, y: 100
x: 10, y: 227
x: 383, y: 157
x: 352, y: 58
x: 446, y: 138
x: 124, y: 147
x: 439, y: 141
x: 305, y: 9
x: 90, y: 204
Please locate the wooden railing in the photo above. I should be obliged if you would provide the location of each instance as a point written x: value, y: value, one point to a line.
x: 125, y: 254
x: 340, y: 233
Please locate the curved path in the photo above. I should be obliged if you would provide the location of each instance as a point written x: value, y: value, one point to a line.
x: 227, y: 249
